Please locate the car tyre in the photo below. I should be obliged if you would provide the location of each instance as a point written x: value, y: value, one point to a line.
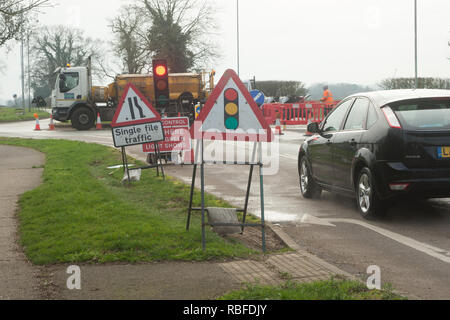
x: 370, y: 206
x: 83, y: 119
x: 308, y: 187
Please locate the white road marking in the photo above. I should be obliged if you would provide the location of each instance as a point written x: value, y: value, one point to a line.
x: 289, y: 157
x: 309, y: 219
x: 430, y: 250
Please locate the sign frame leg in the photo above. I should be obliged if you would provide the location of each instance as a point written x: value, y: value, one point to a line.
x: 191, y: 200
x: 159, y: 161
x: 194, y: 177
x: 202, y: 169
x: 125, y: 163
x: 261, y: 179
x: 250, y: 178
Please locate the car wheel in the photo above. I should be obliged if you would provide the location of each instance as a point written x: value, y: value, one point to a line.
x: 308, y: 186
x: 369, y: 205
x: 82, y: 119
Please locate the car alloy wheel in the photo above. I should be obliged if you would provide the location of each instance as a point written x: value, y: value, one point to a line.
x: 369, y: 204
x: 364, y: 193
x: 308, y: 186
x: 304, y: 177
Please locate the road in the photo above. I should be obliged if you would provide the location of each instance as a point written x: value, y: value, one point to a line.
x: 411, y: 245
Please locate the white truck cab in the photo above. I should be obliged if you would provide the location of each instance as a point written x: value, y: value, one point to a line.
x: 71, y: 97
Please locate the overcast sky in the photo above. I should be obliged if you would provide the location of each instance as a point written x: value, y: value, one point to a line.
x: 356, y: 41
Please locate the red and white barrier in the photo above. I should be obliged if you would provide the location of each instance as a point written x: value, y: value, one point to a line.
x: 296, y: 113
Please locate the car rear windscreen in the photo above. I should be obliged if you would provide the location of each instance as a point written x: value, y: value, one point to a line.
x: 425, y: 114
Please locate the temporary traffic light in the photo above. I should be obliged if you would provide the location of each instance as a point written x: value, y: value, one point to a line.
x: 231, y: 109
x: 161, y: 82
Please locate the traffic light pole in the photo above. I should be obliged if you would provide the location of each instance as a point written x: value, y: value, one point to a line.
x: 416, y: 81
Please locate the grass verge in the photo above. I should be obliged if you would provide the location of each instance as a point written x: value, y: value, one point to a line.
x: 333, y: 289
x: 13, y: 114
x: 82, y: 212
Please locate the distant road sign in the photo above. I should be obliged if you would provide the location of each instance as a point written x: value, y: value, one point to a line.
x: 177, y: 136
x: 198, y: 109
x: 258, y: 96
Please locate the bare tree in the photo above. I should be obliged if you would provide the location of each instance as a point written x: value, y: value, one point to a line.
x: 129, y: 46
x: 409, y: 83
x: 14, y: 15
x: 282, y: 88
x: 55, y: 47
x: 181, y: 32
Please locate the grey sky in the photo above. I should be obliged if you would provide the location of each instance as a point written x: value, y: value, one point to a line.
x: 357, y: 41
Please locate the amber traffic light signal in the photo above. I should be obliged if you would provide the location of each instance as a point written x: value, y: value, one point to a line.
x: 231, y: 98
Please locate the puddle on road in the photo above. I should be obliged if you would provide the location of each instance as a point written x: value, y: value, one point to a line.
x: 274, y: 216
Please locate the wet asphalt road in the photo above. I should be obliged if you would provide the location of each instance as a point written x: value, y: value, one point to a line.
x: 411, y: 245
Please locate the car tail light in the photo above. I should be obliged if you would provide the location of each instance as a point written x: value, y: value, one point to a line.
x: 391, y: 118
x: 399, y: 186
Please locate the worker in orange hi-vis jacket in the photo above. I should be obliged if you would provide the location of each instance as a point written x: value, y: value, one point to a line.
x: 327, y: 96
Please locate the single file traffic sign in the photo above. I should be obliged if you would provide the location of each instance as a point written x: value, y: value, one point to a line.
x: 133, y: 109
x: 136, y: 121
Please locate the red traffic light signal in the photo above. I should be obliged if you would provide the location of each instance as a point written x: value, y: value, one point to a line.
x: 161, y: 83
x: 161, y: 70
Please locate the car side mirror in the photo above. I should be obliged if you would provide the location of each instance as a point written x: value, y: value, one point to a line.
x: 313, y: 127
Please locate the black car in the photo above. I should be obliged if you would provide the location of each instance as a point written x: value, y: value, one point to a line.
x: 378, y: 146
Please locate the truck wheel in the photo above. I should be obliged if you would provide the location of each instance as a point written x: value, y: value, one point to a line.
x: 82, y: 119
x: 186, y: 101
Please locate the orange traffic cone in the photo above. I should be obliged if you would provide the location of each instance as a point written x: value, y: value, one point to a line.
x: 51, y: 126
x: 278, y: 131
x: 99, y: 122
x: 37, y: 127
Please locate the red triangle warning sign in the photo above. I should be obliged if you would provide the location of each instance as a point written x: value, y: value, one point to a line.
x: 231, y: 114
x: 133, y: 109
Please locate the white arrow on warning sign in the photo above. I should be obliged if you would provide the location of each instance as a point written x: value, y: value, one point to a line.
x: 133, y: 109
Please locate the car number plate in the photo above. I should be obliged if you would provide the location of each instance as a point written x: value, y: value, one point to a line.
x: 443, y: 152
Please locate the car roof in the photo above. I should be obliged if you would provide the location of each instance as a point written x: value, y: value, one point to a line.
x: 382, y: 98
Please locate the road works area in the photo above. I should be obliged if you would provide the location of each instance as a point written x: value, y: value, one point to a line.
x: 411, y: 245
